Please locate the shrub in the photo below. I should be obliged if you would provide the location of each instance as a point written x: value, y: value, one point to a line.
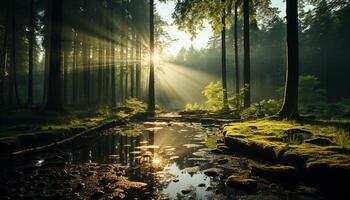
x: 264, y: 108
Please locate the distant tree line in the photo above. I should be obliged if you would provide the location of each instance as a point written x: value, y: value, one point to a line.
x: 78, y: 53
x: 322, y: 34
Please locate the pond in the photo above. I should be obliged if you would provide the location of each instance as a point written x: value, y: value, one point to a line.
x: 155, y: 160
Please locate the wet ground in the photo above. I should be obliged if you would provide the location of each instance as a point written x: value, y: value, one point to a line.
x: 151, y: 160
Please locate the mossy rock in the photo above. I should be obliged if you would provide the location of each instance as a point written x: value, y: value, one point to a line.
x: 242, y: 183
x: 320, y: 142
x: 283, y: 173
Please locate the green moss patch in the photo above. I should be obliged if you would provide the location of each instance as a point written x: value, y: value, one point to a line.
x: 317, y: 155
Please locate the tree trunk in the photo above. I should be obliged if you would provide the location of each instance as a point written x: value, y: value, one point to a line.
x: 100, y: 71
x: 236, y: 46
x: 47, y: 47
x: 290, y: 105
x: 3, y: 57
x: 113, y: 90
x: 31, y: 53
x: 247, y: 85
x: 54, y: 94
x: 223, y: 59
x: 12, y: 71
x: 151, y: 98
x: 74, y: 71
x: 138, y: 70
x: 65, y: 75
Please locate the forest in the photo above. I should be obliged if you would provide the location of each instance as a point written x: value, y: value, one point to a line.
x: 174, y: 99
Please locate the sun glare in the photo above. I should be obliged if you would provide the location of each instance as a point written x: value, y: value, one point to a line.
x: 156, y: 58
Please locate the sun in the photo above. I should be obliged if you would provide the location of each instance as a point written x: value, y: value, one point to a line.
x: 156, y: 58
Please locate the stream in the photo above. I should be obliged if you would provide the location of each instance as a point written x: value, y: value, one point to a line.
x: 150, y: 160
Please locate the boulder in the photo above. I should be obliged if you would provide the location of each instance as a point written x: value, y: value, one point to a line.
x: 320, y: 142
x: 242, y: 183
x: 213, y: 172
x: 276, y: 172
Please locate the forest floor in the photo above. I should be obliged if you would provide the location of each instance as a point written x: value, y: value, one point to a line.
x: 26, y: 128
x: 319, y: 150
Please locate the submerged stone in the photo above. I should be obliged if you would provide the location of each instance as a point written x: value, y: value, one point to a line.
x: 241, y: 183
x: 213, y: 172
x: 186, y: 191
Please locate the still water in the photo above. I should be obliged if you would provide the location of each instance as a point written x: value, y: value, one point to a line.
x: 167, y: 156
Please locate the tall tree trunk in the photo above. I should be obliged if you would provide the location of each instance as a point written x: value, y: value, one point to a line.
x: 54, y: 94
x: 47, y: 46
x: 121, y: 77
x: 138, y: 69
x: 223, y: 59
x: 100, y: 70
x: 113, y: 90
x: 12, y: 71
x: 74, y: 71
x: 236, y: 46
x: 151, y: 98
x: 132, y: 70
x: 31, y: 53
x: 126, y: 70
x: 290, y: 105
x: 65, y: 75
x: 247, y: 85
x: 3, y: 58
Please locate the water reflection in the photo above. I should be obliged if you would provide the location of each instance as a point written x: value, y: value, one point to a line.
x: 156, y: 153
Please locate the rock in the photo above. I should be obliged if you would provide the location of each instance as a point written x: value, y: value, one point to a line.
x: 186, y: 191
x: 208, y: 188
x: 54, y: 164
x: 253, y: 127
x: 80, y: 186
x: 277, y: 172
x: 213, y: 172
x: 201, y: 185
x: 97, y: 195
x: 246, y: 184
x: 222, y: 161
x: 297, y: 135
x: 320, y: 142
x: 216, y: 151
x: 176, y: 180
x: 190, y: 170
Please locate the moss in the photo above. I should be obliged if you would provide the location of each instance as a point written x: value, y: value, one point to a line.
x: 268, y: 140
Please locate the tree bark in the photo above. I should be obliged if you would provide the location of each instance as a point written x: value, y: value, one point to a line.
x: 47, y: 46
x: 12, y: 71
x: 3, y: 58
x: 138, y: 70
x: 31, y: 53
x: 247, y: 85
x: 74, y: 71
x: 54, y: 94
x: 151, y: 98
x: 236, y: 46
x: 223, y: 59
x: 290, y: 105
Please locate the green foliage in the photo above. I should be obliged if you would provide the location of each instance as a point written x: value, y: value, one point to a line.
x: 193, y: 107
x: 264, y: 108
x: 342, y: 138
x: 310, y: 91
x: 213, y: 93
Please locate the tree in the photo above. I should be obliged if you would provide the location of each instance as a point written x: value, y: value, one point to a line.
x: 31, y: 40
x: 236, y: 46
x: 223, y: 58
x: 54, y: 94
x: 246, y: 71
x: 290, y: 105
x: 151, y: 98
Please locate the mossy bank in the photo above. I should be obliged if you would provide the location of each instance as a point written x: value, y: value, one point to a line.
x: 319, y: 150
